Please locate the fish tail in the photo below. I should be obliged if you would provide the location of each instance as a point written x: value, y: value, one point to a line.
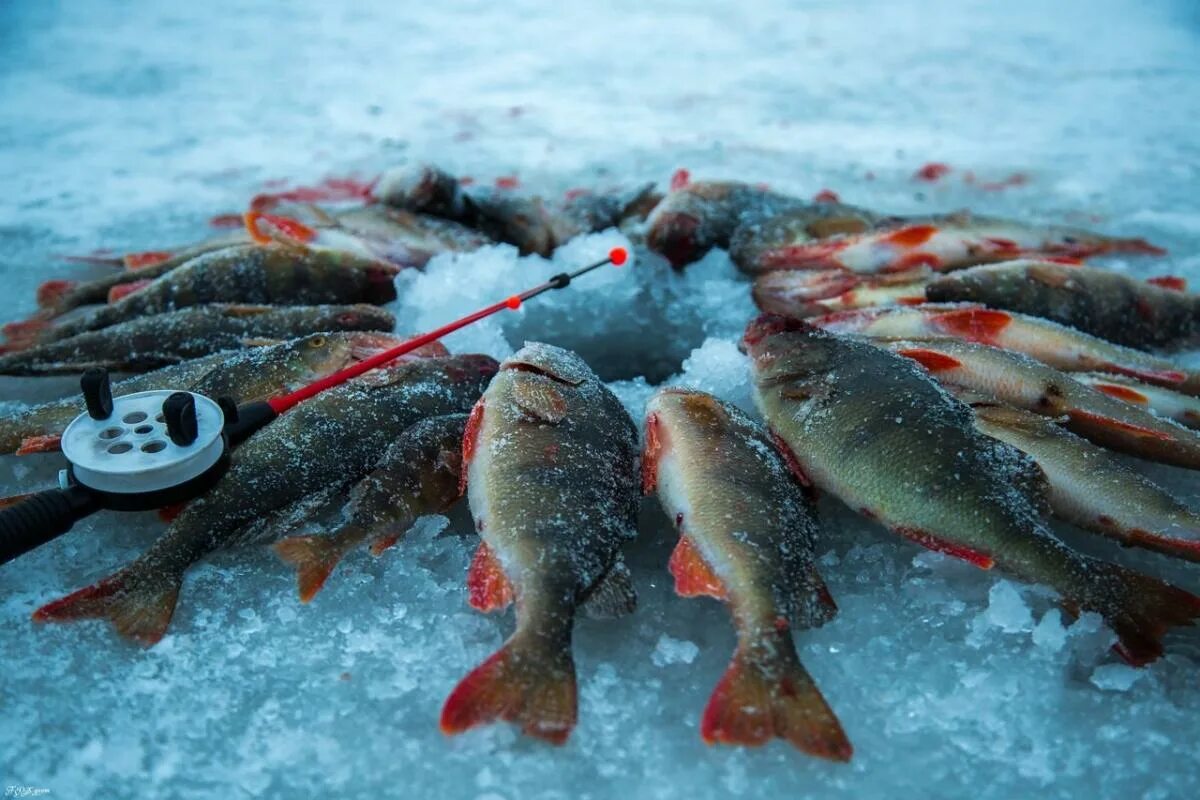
x: 24, y: 334
x: 1175, y: 546
x: 51, y: 295
x: 314, y: 558
x: 138, y: 602
x: 530, y: 681
x: 766, y: 693
x: 1140, y: 609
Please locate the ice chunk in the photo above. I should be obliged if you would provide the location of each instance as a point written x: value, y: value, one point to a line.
x: 1116, y: 677
x: 673, y: 651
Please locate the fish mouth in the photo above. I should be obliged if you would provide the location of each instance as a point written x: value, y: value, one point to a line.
x: 765, y: 325
x: 675, y: 236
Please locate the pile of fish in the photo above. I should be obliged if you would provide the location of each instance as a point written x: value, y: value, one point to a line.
x: 959, y: 379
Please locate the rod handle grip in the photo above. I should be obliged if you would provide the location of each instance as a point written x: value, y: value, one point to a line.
x: 42, y: 517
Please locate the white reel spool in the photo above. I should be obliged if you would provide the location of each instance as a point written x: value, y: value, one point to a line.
x: 131, y: 451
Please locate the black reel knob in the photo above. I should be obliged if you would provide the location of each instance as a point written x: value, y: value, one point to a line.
x: 179, y: 412
x: 97, y: 393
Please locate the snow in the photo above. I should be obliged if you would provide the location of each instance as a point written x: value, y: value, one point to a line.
x: 128, y: 125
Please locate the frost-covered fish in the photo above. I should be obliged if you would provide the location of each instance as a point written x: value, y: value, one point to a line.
x: 874, y: 430
x: 746, y: 535
x: 157, y: 340
x: 1091, y: 488
x: 407, y: 238
x: 426, y: 189
x: 329, y: 441
x: 551, y: 469
x: 693, y: 219
x: 272, y: 275
x: 1183, y: 408
x: 754, y: 246
x: 801, y: 294
x: 1021, y: 381
x: 1057, y: 345
x: 940, y: 242
x: 1103, y: 303
x: 418, y: 474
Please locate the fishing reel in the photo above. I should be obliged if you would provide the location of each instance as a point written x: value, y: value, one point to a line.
x: 136, y: 452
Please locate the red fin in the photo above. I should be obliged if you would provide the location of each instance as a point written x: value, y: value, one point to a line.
x: 793, y: 465
x: 1186, y: 549
x: 26, y: 332
x: 330, y: 189
x: 470, y: 442
x: 1139, y: 608
x: 1121, y: 393
x: 51, y: 293
x: 931, y: 360
x: 45, y: 443
x: 227, y: 221
x: 913, y: 261
x: 931, y: 172
x: 147, y: 258
x: 382, y: 543
x: 1136, y: 246
x: 1165, y: 376
x: 815, y: 255
x: 939, y: 545
x: 911, y: 235
x: 680, y: 179
x: 650, y: 452
x: 507, y: 182
x: 126, y: 289
x: 767, y: 693
x: 1091, y: 418
x: 169, y: 513
x: 976, y: 324
x: 529, y: 682
x: 291, y: 229
x: 693, y: 577
x: 488, y: 588
x: 1169, y: 282
x: 314, y: 558
x: 139, y: 607
x: 826, y: 196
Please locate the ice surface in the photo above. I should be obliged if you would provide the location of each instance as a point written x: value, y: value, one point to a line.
x: 128, y: 125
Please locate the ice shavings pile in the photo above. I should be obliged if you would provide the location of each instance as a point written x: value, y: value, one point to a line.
x: 130, y: 126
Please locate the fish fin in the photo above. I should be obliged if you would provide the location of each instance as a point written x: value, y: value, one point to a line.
x: 651, y: 450
x: 1169, y: 377
x: 138, y: 603
x: 911, y: 235
x: 1121, y: 392
x: 1186, y: 549
x: 169, y: 513
x: 530, y: 681
x: 1135, y: 246
x: 941, y: 545
x: 26, y: 332
x: 913, y: 261
x: 282, y: 230
x: 470, y: 442
x: 974, y: 324
x: 51, y: 293
x: 931, y: 360
x: 44, y: 443
x: 793, y: 464
x: 613, y: 595
x: 314, y: 558
x: 767, y: 693
x: 382, y: 542
x: 146, y: 258
x: 540, y: 400
x: 122, y: 290
x: 1078, y: 415
x: 693, y: 576
x: 1173, y: 282
x: 817, y: 605
x: 488, y: 588
x: 1139, y: 608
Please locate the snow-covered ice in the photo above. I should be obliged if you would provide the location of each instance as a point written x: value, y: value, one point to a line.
x: 127, y: 125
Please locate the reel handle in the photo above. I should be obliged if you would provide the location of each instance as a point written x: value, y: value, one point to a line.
x: 41, y: 517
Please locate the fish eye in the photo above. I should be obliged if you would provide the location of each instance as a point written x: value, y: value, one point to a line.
x: 316, y: 341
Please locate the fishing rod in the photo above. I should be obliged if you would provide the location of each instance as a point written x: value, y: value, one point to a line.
x: 118, y: 458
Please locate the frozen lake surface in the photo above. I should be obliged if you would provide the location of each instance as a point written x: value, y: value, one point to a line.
x: 126, y: 125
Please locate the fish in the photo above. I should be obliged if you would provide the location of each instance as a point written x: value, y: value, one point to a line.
x: 330, y: 440
x: 149, y: 342
x: 551, y: 470
x: 1023, y: 382
x: 874, y: 430
x: 693, y: 219
x: 272, y: 275
x: 406, y: 238
x: 426, y: 189
x: 418, y: 474
x: 1049, y: 342
x: 1162, y: 402
x: 746, y: 533
x: 1107, y: 304
x: 801, y: 294
x: 939, y: 242
x: 57, y: 297
x: 754, y: 246
x: 1091, y: 488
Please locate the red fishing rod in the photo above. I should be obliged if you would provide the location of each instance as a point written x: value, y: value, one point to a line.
x: 151, y: 449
